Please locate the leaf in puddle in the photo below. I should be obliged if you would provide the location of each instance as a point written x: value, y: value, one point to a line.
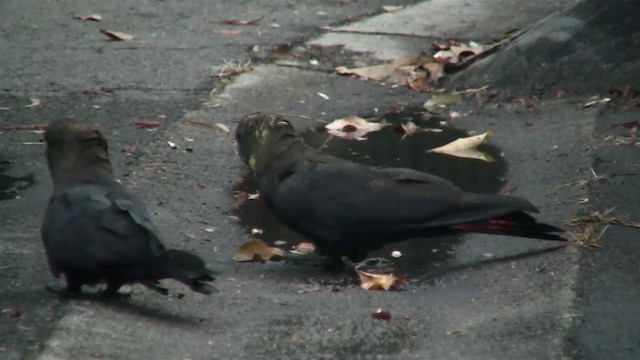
x: 411, y: 128
x: 234, y: 21
x: 257, y: 250
x: 442, y: 100
x: 304, y: 248
x: 380, y: 280
x: 117, y: 35
x: 376, y: 72
x: 466, y: 148
x: 353, y: 127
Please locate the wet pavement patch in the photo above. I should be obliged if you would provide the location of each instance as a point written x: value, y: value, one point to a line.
x: 10, y: 186
x: 388, y: 148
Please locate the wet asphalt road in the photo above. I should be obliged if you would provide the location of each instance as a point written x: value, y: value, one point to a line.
x: 463, y: 305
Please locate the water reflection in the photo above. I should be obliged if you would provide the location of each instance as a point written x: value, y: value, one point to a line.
x: 385, y: 148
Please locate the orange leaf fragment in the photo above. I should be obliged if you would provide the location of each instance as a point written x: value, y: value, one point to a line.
x: 380, y: 281
x: 257, y: 250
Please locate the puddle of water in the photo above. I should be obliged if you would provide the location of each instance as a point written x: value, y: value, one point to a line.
x: 385, y: 148
x: 10, y: 186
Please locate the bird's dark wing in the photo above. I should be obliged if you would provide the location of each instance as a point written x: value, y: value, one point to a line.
x: 358, y: 200
x: 90, y: 227
x: 345, y: 194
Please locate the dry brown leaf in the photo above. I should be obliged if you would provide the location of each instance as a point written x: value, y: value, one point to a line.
x: 234, y: 21
x: 466, y: 148
x: 436, y: 70
x: 376, y: 72
x: 257, y: 250
x: 417, y: 81
x: 380, y: 281
x: 304, y: 248
x: 353, y: 127
x: 117, y: 36
x: 145, y: 124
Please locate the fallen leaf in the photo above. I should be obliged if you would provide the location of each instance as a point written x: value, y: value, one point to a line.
x: 436, y: 70
x: 304, y: 248
x: 209, y: 229
x: 353, y: 127
x: 279, y: 243
x: 92, y: 17
x: 323, y: 95
x: 257, y: 250
x: 376, y: 72
x: 597, y: 101
x: 117, y: 36
x: 234, y: 21
x: 381, y: 315
x: 396, y: 254
x: 222, y: 127
x: 392, y: 8
x: 437, y: 101
x: 370, y: 280
x: 35, y: 102
x: 411, y: 128
x: 466, y: 148
x: 417, y: 81
x: 145, y: 124
x: 172, y: 145
x: 227, y: 32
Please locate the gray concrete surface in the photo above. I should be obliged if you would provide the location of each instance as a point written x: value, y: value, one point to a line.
x: 523, y: 307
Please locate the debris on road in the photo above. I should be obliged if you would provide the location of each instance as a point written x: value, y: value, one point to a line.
x: 234, y: 21
x: 381, y: 314
x: 92, y: 17
x: 145, y: 124
x: 257, y: 250
x: 353, y: 127
x: 466, y: 148
x: 117, y: 35
x: 35, y: 103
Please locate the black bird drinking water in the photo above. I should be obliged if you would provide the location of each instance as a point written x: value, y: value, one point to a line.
x: 348, y: 209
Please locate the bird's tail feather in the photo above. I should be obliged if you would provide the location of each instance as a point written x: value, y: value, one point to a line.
x: 516, y: 224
